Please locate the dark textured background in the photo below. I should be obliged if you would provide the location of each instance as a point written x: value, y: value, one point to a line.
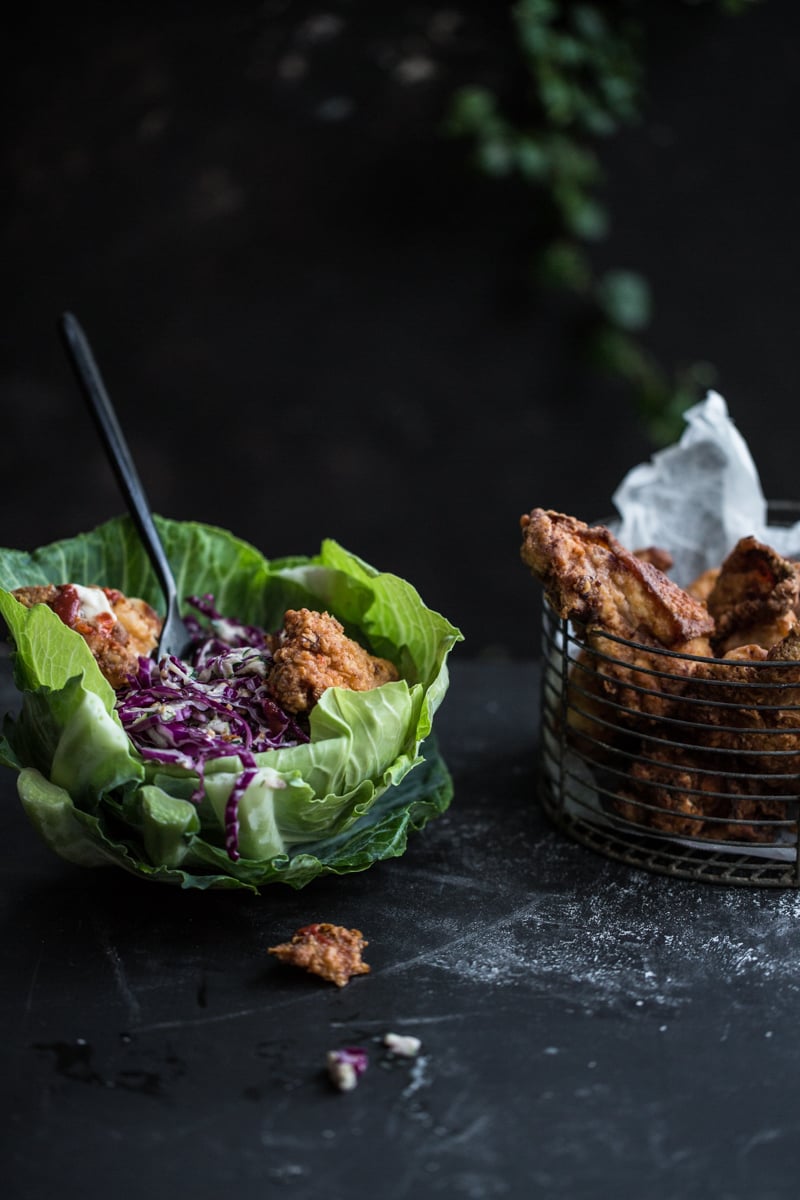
x: 313, y: 316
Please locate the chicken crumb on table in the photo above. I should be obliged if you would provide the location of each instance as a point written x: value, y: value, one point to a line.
x: 330, y: 951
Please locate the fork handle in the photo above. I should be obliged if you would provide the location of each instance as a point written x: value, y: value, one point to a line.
x: 105, y: 418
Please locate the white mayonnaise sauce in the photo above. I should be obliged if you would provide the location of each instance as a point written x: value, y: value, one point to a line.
x: 93, y: 602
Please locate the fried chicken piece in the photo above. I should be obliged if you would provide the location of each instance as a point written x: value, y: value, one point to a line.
x: 700, y: 588
x: 330, y: 951
x: 590, y: 714
x: 656, y: 556
x: 116, y: 628
x: 698, y: 797
x: 613, y: 689
x: 787, y: 651
x: 751, y: 707
x: 736, y: 774
x: 313, y: 653
x: 748, y: 653
x: 754, y: 597
x: 589, y: 577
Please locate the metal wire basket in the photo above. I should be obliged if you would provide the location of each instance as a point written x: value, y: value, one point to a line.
x: 682, y: 765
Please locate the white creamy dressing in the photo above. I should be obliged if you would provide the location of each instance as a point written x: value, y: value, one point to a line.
x: 93, y: 602
x: 225, y: 629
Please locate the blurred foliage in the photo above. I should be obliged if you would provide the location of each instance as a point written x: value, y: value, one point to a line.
x: 583, y: 66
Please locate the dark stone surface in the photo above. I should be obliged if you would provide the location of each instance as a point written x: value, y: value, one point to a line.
x: 314, y: 317
x: 587, y: 1030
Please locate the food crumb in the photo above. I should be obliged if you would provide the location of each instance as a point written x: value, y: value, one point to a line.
x: 403, y: 1045
x: 330, y: 951
x: 345, y: 1066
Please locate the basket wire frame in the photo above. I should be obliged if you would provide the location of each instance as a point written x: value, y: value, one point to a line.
x: 683, y: 770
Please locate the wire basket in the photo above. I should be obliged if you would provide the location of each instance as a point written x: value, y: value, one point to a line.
x: 682, y: 765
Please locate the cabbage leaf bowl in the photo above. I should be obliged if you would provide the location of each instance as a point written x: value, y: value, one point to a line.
x: 370, y: 774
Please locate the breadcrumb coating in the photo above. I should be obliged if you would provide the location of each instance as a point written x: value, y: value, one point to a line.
x: 312, y: 654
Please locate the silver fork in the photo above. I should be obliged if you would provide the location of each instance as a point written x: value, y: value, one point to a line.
x: 175, y: 638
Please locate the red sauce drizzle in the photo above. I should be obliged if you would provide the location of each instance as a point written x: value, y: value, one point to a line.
x: 314, y: 932
x: 67, y: 604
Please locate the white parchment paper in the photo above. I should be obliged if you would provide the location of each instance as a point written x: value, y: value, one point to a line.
x: 698, y: 497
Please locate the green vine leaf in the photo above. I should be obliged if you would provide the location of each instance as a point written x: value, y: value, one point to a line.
x: 584, y: 67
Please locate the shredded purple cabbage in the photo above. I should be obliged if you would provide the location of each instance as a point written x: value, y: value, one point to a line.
x: 214, y: 705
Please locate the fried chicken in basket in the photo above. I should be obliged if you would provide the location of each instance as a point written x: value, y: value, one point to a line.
x: 697, y: 727
x: 591, y: 580
x: 754, y: 598
x: 697, y: 796
x: 752, y: 707
x: 738, y: 778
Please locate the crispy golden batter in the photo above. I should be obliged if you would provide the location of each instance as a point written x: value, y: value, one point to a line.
x: 330, y: 951
x: 589, y: 577
x: 697, y: 797
x: 752, y: 707
x: 701, y: 587
x: 116, y: 628
x: 751, y: 652
x: 656, y: 556
x: 734, y: 774
x: 754, y: 598
x: 312, y: 654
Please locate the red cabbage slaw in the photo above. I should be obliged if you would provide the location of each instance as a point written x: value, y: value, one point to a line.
x: 215, y: 705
